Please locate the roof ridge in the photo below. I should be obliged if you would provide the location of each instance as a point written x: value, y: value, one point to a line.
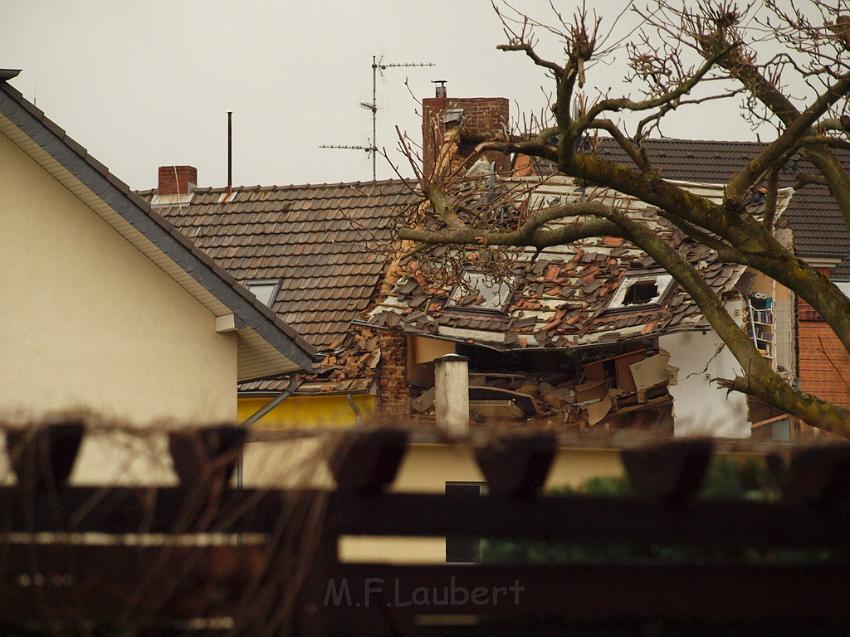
x: 340, y: 184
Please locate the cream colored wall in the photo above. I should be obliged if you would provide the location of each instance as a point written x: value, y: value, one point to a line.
x: 426, y: 469
x: 89, y: 322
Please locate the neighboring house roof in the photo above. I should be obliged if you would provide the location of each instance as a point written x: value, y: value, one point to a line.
x: 814, y: 216
x: 325, y: 243
x: 562, y: 296
x: 266, y: 345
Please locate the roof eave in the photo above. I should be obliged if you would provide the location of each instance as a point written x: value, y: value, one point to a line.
x: 53, y: 140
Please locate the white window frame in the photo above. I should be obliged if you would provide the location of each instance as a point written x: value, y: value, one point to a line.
x: 265, y: 282
x: 663, y: 282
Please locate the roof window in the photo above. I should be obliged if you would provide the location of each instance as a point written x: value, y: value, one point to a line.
x: 638, y: 290
x: 265, y: 290
x: 480, y: 292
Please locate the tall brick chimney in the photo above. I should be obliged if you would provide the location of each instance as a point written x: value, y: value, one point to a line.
x: 177, y: 180
x: 442, y: 113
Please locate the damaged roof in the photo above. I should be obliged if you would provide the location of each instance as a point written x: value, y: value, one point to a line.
x: 266, y: 345
x: 322, y: 242
x: 562, y: 296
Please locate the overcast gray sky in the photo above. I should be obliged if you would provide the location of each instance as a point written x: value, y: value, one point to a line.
x: 143, y: 84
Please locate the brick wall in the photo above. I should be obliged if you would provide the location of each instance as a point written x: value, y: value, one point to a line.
x: 824, y: 363
x: 479, y: 114
x: 176, y: 180
x: 393, y: 390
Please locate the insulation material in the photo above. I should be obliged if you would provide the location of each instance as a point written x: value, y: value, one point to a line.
x: 596, y: 412
x: 650, y: 372
x: 592, y: 390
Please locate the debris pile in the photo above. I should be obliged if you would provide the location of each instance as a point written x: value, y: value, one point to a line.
x: 624, y: 389
x: 351, y: 367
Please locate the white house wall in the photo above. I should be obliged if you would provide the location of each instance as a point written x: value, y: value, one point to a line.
x: 701, y: 408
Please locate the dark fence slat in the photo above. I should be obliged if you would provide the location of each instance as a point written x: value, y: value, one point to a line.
x: 142, y: 510
x: 43, y: 456
x: 819, y: 476
x: 594, y: 520
x: 62, y: 583
x: 368, y: 460
x: 670, y: 471
x: 517, y: 465
x: 206, y: 454
x: 378, y: 599
x: 578, y: 519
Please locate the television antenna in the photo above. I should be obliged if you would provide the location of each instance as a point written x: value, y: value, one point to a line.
x: 378, y: 66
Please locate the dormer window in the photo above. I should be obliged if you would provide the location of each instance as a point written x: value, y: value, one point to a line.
x: 480, y: 292
x: 641, y: 293
x: 265, y: 290
x: 639, y: 290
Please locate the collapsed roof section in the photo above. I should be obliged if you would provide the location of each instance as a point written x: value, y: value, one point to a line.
x: 589, y: 293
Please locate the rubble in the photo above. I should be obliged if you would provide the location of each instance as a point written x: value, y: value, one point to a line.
x: 608, y: 390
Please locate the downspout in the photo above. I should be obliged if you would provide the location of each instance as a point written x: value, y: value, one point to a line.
x: 269, y: 406
x: 262, y: 411
x: 358, y: 416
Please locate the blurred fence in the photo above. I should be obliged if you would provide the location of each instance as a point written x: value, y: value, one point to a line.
x: 205, y: 557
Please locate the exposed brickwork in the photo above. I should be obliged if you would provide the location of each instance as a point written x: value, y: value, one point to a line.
x: 176, y: 180
x: 824, y: 363
x: 393, y: 390
x: 479, y: 114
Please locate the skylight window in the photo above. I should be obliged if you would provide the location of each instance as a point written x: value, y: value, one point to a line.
x: 638, y: 290
x: 480, y: 292
x: 265, y: 291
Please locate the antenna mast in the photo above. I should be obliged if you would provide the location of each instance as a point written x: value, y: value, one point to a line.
x: 378, y: 66
x: 381, y: 66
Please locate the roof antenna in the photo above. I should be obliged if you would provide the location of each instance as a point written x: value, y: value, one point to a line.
x: 229, y: 152
x: 378, y: 66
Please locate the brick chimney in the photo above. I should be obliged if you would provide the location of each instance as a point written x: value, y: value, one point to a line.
x: 177, y: 180
x: 442, y: 113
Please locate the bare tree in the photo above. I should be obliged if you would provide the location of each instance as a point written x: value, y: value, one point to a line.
x: 684, y: 56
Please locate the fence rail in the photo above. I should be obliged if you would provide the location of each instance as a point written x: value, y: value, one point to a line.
x: 202, y: 551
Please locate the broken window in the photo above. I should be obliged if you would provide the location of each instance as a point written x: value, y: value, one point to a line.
x: 265, y: 291
x: 641, y: 289
x: 640, y: 293
x: 480, y: 292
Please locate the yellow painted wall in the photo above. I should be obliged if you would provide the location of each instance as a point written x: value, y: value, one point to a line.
x: 308, y: 411
x: 89, y: 322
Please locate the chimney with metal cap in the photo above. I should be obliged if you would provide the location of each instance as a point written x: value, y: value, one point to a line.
x: 442, y: 113
x: 177, y: 180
